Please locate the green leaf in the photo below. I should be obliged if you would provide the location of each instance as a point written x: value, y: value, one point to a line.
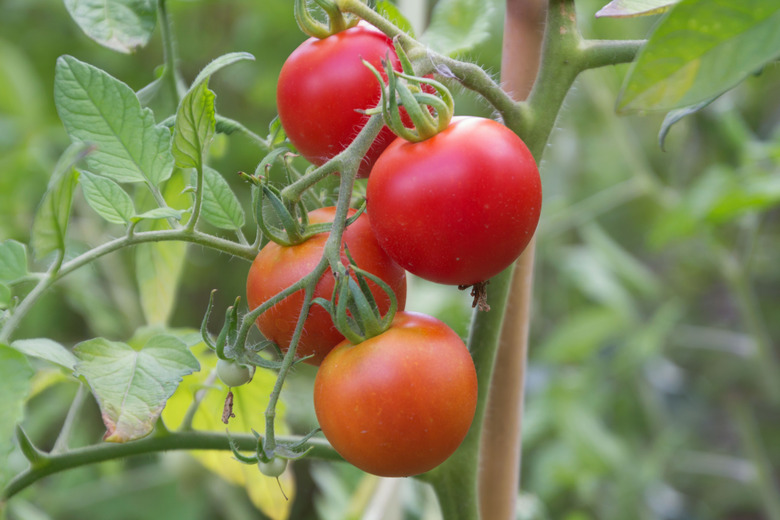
x: 195, y: 122
x: 248, y: 402
x: 630, y: 8
x: 701, y: 49
x: 107, y: 198
x: 132, y: 386
x: 13, y: 261
x: 15, y: 385
x: 46, y: 349
x: 219, y: 63
x: 53, y: 214
x: 221, y: 208
x: 121, y: 25
x: 458, y: 26
x: 97, y: 108
x: 676, y: 115
x: 158, y: 265
x: 158, y: 214
x: 194, y: 127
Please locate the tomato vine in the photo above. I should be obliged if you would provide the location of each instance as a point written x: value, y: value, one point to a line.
x: 565, y: 55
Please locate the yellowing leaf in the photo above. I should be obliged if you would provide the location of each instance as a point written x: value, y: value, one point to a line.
x: 249, y: 403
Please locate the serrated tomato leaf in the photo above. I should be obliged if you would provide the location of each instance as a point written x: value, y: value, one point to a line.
x: 132, y: 386
x: 97, y: 108
x: 121, y: 25
x: 221, y: 208
x: 107, y: 198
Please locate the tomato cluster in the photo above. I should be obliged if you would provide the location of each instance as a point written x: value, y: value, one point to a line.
x: 456, y: 208
x: 277, y: 267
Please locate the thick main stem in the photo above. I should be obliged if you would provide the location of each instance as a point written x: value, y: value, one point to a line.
x: 564, y: 55
x: 499, y: 469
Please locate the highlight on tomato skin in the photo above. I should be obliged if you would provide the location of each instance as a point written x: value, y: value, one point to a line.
x: 400, y: 403
x: 277, y: 267
x: 457, y: 208
x: 324, y: 83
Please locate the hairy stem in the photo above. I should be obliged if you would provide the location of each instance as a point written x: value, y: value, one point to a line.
x: 183, y: 235
x: 50, y: 464
x: 499, y: 468
x: 171, y: 73
x: 287, y: 363
x: 455, y: 481
x: 565, y: 54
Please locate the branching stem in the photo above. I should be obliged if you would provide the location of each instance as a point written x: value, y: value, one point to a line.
x: 181, y: 440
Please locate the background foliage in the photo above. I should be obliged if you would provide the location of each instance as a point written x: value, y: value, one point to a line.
x: 653, y: 388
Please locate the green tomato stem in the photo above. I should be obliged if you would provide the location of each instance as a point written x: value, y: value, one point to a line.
x: 269, y: 444
x: 179, y: 440
x: 198, y: 199
x: 171, y: 74
x: 563, y: 59
x: 455, y: 481
x: 63, y: 439
x: 182, y: 235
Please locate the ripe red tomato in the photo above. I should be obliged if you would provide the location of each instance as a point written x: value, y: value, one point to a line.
x: 322, y: 84
x: 457, y: 208
x: 277, y: 267
x: 400, y: 403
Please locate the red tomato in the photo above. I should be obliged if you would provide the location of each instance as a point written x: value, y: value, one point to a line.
x: 400, y: 403
x: 322, y: 84
x: 277, y: 267
x: 457, y: 208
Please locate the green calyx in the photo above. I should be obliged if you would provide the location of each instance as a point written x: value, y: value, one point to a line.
x: 228, y: 345
x: 272, y: 457
x: 337, y: 21
x: 429, y: 113
x: 353, y: 307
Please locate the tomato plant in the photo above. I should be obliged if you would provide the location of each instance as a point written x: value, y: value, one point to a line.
x: 324, y: 83
x: 459, y: 207
x: 400, y: 403
x: 277, y: 267
x: 234, y: 374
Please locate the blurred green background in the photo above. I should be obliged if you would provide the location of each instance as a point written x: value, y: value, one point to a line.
x: 653, y: 388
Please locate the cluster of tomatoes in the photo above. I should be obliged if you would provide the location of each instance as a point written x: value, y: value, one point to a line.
x: 456, y: 208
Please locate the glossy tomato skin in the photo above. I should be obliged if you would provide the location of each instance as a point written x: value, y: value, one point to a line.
x: 277, y: 267
x: 457, y: 208
x: 322, y: 84
x: 400, y: 403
